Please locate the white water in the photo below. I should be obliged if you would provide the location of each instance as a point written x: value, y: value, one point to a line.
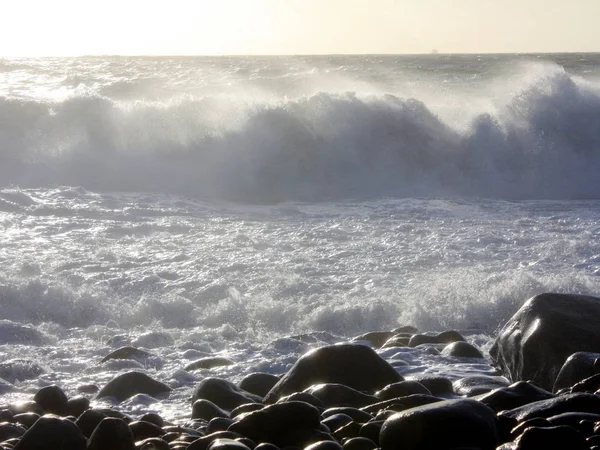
x: 190, y: 208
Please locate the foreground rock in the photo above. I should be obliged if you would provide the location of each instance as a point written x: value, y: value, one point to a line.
x: 441, y: 426
x: 535, y: 343
x: 356, y: 366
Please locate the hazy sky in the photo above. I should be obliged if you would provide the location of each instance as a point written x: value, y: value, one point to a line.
x: 153, y: 27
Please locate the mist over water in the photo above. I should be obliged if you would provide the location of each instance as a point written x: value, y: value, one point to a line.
x: 195, y: 206
x: 273, y: 130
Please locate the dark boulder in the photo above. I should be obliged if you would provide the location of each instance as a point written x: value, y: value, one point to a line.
x: 143, y: 430
x: 343, y: 363
x: 131, y: 383
x: 551, y: 438
x: 258, y: 383
x: 477, y: 385
x: 282, y: 424
x: 462, y: 350
x: 437, y: 385
x: 375, y: 338
x: 441, y: 426
x: 52, y: 432
x: 334, y: 394
x: 223, y: 393
x: 359, y: 443
x: 580, y: 402
x: 227, y: 444
x: 52, y: 399
x: 111, y: 433
x: 577, y: 367
x: 207, y: 410
x: 535, y: 343
x: 401, y: 389
x: 10, y: 431
x: 513, y: 396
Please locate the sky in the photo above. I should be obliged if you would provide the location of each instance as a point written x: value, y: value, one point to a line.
x: 215, y: 27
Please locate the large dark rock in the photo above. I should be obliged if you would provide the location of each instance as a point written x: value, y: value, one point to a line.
x: 223, y: 393
x: 131, y: 383
x: 356, y: 366
x: 52, y: 399
x: 52, y: 432
x: 537, y: 340
x: 441, y: 426
x: 111, y: 433
x: 281, y: 424
x: 258, y: 383
x: 582, y: 403
x: 577, y: 367
x: 462, y: 349
x: 334, y: 394
x: 513, y: 396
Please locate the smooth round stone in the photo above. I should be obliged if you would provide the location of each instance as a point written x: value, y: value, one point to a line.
x: 246, y: 408
x: 111, y: 433
x: 324, y: 445
x: 443, y: 425
x: 153, y: 418
x: 77, y: 405
x: 129, y: 384
x: 143, y: 430
x: 561, y: 437
x: 258, y: 383
x: 356, y: 414
x: 336, y: 421
x: 51, y: 399
x: 359, y: 443
x: 52, y: 432
x: 227, y: 444
x: 401, y: 389
x: 152, y: 444
x: 207, y: 410
x: 461, y: 350
x: 223, y: 393
x: 375, y: 338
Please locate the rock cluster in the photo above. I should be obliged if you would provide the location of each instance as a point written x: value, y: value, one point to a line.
x: 347, y: 397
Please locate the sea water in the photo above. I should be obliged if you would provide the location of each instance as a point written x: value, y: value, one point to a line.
x: 258, y: 207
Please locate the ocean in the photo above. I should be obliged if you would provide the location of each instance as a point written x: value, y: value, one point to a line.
x: 257, y: 207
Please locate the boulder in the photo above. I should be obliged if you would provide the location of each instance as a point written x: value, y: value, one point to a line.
x: 462, y: 350
x: 375, y: 338
x: 535, y: 343
x: 478, y: 384
x: 52, y: 432
x: 129, y: 384
x: 207, y: 410
x: 513, y: 396
x: 111, y: 433
x: 223, y: 393
x: 281, y: 424
x: 334, y: 394
x: 401, y: 389
x: 580, y: 402
x: 341, y: 363
x: 52, y: 400
x: 577, y: 367
x: 258, y: 383
x: 441, y: 426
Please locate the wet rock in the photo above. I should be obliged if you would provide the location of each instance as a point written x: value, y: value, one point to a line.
x: 258, y: 383
x: 444, y: 425
x: 402, y: 403
x: 223, y: 393
x: 559, y: 438
x: 143, y: 430
x: 535, y: 343
x: 111, y: 433
x: 10, y: 430
x: 128, y: 352
x: 153, y: 418
x: 51, y: 399
x: 462, y: 350
x: 76, y: 406
x: 406, y: 329
x: 375, y: 338
x: 218, y: 424
x: 25, y: 407
x: 356, y: 414
x: 207, y: 410
x: 343, y: 363
x: 208, y: 362
x: 89, y: 420
x: 324, y: 445
x: 88, y: 388
x: 282, y: 424
x: 129, y: 384
x: 437, y: 385
x: 591, y: 384
x: 302, y: 397
x: 246, y: 408
x: 52, y: 432
x: 227, y: 444
x: 401, y: 389
x: 478, y: 385
x: 336, y: 421
x: 359, y: 443
x: 27, y: 419
x: 516, y: 395
x: 152, y: 444
x: 204, y: 442
x: 580, y: 402
x: 396, y: 341
x: 577, y: 367
x: 446, y: 337
x: 334, y: 394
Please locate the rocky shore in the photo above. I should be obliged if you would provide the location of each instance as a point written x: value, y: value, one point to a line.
x: 545, y: 395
